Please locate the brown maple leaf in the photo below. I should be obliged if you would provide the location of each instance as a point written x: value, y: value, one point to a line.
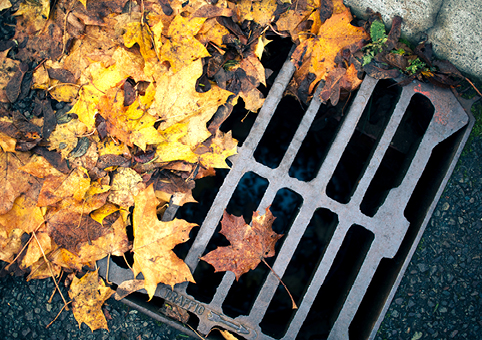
x: 13, y: 181
x: 250, y: 244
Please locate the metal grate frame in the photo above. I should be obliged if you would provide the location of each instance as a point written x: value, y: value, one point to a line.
x: 388, y: 227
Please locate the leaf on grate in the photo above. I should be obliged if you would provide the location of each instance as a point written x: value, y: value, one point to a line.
x: 249, y: 244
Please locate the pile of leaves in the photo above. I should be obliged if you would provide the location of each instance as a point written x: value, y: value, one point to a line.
x: 140, y: 89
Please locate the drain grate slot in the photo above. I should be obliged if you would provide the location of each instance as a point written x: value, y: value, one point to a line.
x: 300, y: 271
x: 344, y: 250
x: 247, y: 196
x: 364, y: 140
x: 279, y: 133
x: 399, y: 155
x: 338, y: 282
x: 316, y: 144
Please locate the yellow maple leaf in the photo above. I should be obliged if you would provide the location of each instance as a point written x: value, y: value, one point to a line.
x: 43, y: 269
x: 88, y: 294
x: 126, y: 183
x: 35, y: 13
x: 260, y: 12
x: 7, y: 143
x: 181, y: 48
x: 212, y: 31
x: 140, y: 34
x: 222, y: 146
x: 39, y: 245
x: 25, y: 215
x: 111, y: 147
x: 131, y: 124
x: 64, y: 92
x: 172, y: 87
x: 127, y: 64
x: 153, y: 244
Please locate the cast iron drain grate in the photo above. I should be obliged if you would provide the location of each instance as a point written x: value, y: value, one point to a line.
x: 352, y: 217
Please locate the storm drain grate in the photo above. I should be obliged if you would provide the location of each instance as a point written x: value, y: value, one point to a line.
x: 354, y: 217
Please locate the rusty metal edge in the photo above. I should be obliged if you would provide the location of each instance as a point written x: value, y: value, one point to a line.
x: 160, y: 318
x: 426, y: 219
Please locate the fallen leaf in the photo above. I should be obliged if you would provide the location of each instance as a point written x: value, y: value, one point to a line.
x: 131, y: 124
x: 35, y: 14
x: 13, y: 181
x: 316, y: 55
x: 25, y: 215
x: 249, y: 244
x: 8, y: 68
x: 182, y: 84
x: 181, y: 48
x: 59, y: 188
x: 153, y: 244
x: 66, y: 136
x: 88, y: 294
x: 39, y: 245
x: 10, y: 244
x: 126, y: 184
x: 4, y: 4
x: 113, y: 243
x: 7, y: 143
x: 127, y: 287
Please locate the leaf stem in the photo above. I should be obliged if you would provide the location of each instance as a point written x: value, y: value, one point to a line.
x: 294, y: 306
x: 480, y: 94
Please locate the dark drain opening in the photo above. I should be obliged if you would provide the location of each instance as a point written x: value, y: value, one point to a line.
x: 338, y: 282
x: 364, y: 140
x: 240, y: 121
x: 300, y: 271
x: 317, y: 142
x: 279, y: 133
x: 247, y: 196
x: 388, y: 270
x: 399, y: 155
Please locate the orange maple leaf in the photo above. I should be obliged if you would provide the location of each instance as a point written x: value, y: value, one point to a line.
x: 249, y: 244
x: 315, y: 57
